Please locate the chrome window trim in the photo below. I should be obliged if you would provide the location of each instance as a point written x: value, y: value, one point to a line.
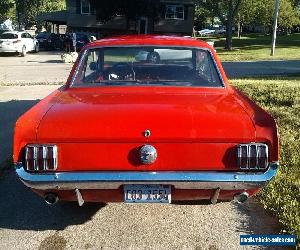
x: 83, y: 55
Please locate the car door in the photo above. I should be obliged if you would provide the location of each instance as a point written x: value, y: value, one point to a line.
x: 30, y: 41
x: 24, y: 41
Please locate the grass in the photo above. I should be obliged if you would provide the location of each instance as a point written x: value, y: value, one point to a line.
x: 281, y: 97
x: 255, y: 47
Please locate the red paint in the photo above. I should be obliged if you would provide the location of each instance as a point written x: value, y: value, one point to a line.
x: 101, y: 128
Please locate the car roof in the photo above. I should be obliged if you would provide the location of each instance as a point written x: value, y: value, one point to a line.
x: 12, y: 32
x: 149, y: 40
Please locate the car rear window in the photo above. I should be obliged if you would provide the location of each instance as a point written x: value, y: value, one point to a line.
x: 165, y: 66
x: 8, y: 36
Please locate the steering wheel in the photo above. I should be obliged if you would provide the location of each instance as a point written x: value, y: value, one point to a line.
x: 121, y: 71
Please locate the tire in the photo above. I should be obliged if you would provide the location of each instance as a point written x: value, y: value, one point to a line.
x: 24, y: 52
x: 153, y: 57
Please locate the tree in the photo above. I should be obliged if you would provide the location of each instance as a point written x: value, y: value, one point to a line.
x: 202, y: 17
x: 260, y: 13
x: 226, y: 11
x: 131, y: 9
x: 288, y: 14
x: 6, y: 9
x: 251, y: 12
x: 27, y: 10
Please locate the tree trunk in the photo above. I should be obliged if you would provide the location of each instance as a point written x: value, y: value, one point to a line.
x: 229, y: 24
x: 239, y: 27
x: 228, y: 44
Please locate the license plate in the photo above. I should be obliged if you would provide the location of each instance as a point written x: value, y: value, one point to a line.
x: 147, y: 193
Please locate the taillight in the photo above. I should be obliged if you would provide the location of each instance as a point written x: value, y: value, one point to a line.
x: 17, y: 41
x: 252, y: 156
x: 40, y: 157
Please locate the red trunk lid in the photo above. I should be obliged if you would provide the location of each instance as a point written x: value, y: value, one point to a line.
x: 88, y: 123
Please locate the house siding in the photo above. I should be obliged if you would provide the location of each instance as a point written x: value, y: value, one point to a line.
x: 77, y: 21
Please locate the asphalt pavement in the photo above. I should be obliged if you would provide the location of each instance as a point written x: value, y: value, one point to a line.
x: 261, y: 68
x: 45, y: 67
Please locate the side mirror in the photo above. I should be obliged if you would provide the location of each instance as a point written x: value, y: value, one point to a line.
x: 93, y: 66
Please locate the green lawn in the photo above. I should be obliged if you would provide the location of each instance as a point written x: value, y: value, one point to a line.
x: 281, y: 97
x: 258, y: 47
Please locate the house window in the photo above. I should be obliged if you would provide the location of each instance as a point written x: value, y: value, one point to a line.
x: 175, y: 12
x: 85, y: 7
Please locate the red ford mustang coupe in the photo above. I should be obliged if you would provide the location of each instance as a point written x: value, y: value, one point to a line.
x: 146, y: 119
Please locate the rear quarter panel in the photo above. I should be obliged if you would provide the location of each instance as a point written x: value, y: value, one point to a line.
x: 265, y: 124
x: 26, y: 126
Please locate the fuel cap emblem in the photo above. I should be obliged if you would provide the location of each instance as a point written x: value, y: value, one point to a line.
x: 148, y: 154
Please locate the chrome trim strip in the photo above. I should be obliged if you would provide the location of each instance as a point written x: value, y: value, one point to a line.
x: 113, y: 180
x: 78, y: 66
x: 35, y: 163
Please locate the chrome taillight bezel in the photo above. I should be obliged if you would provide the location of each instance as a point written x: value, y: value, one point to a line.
x: 258, y: 148
x: 40, y: 157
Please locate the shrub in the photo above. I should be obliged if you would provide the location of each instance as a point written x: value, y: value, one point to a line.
x: 281, y: 98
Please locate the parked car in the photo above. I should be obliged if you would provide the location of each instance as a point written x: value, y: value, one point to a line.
x: 221, y: 31
x: 206, y: 32
x: 125, y: 130
x: 49, y: 41
x: 18, y: 42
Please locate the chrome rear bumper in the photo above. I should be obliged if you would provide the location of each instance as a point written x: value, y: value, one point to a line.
x: 180, y: 180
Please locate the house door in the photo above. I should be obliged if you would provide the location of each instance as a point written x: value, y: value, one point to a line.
x: 143, y: 25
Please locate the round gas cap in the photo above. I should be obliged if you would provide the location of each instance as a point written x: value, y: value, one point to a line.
x: 148, y: 154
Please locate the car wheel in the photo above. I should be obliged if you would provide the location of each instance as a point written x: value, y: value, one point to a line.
x: 24, y: 52
x: 153, y: 57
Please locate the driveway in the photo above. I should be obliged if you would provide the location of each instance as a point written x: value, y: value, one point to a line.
x: 27, y: 223
x: 43, y: 68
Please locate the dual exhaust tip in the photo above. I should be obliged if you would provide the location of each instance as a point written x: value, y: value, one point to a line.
x: 51, y: 198
x: 241, y: 198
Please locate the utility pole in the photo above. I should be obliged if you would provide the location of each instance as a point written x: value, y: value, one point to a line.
x: 276, y: 9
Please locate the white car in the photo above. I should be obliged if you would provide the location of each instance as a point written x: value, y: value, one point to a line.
x: 18, y: 42
x: 206, y: 32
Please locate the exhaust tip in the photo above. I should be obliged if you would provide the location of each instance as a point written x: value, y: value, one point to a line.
x: 51, y: 198
x: 241, y: 198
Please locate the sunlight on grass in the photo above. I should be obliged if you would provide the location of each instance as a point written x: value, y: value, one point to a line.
x: 281, y: 97
x: 258, y: 47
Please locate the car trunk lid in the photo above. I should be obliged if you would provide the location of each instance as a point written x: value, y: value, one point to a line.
x: 104, y: 130
x: 94, y: 116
